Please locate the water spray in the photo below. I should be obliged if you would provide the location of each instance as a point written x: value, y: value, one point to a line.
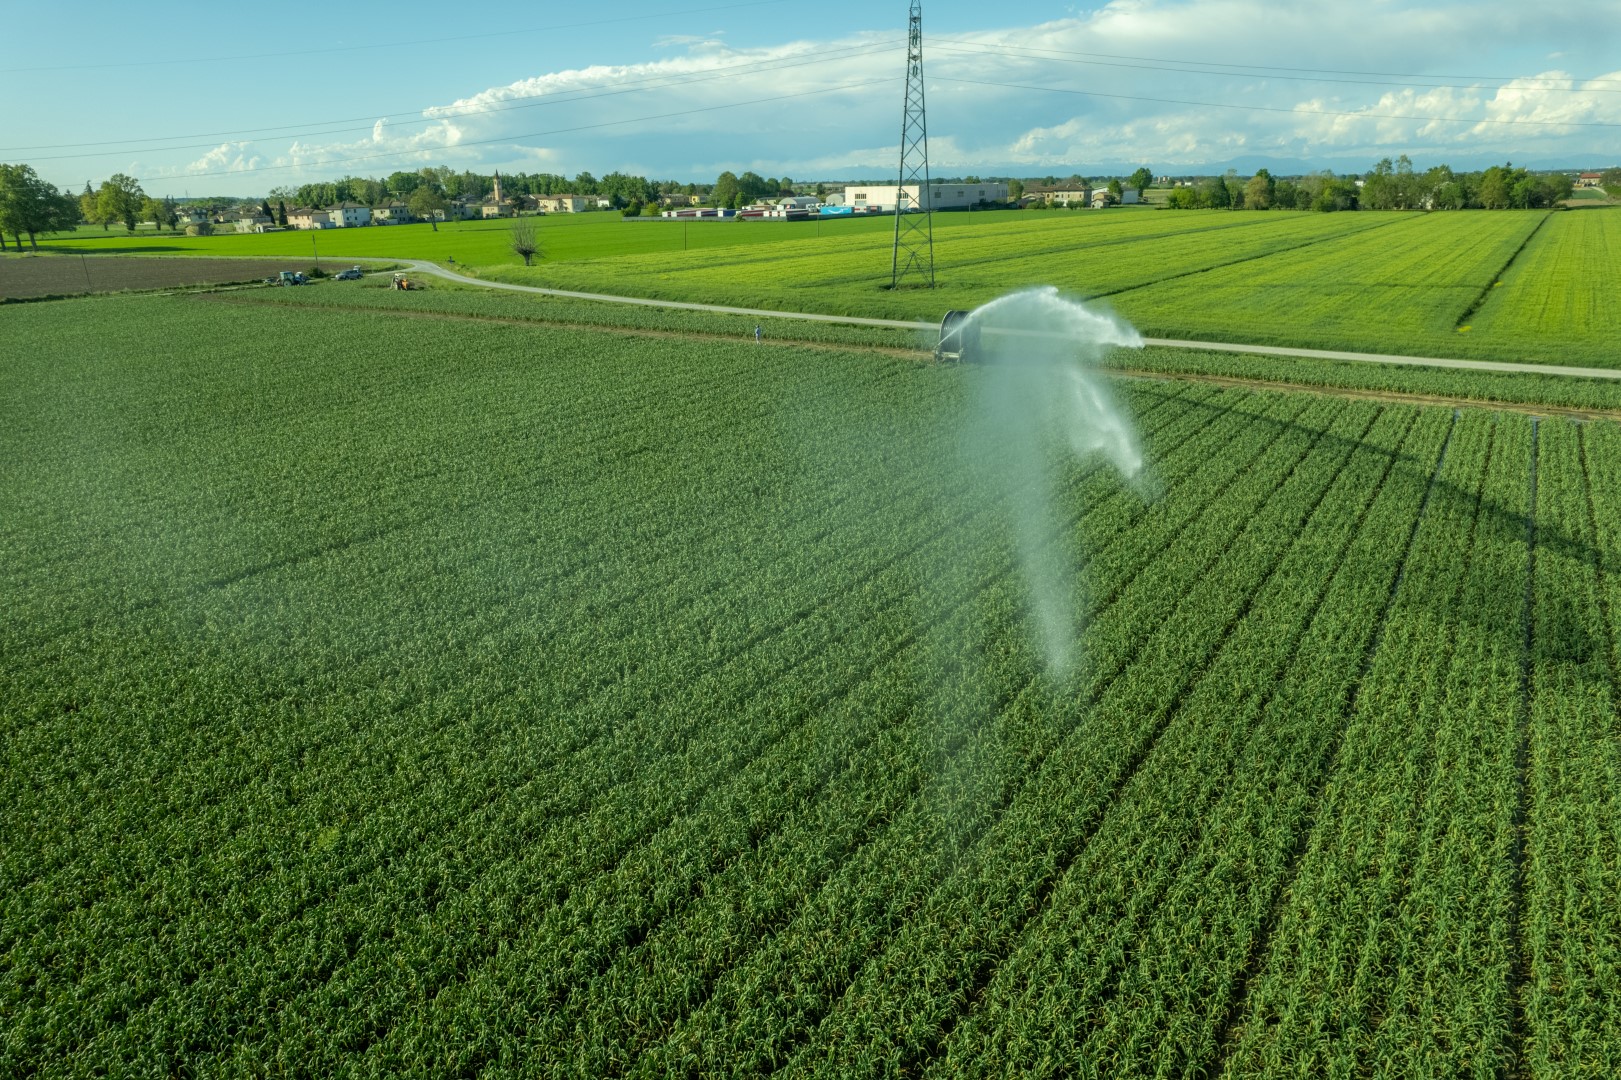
x: 1038, y: 394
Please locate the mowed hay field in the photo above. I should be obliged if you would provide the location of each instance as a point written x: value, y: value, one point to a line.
x: 423, y: 696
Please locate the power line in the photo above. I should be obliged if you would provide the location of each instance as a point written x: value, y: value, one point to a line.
x: 512, y: 138
x: 1279, y: 109
x: 1272, y: 68
x: 559, y: 97
x: 1065, y: 57
x: 392, y: 44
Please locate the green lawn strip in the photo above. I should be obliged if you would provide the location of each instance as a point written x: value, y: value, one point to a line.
x: 1255, y: 723
x: 1571, y: 870
x: 1312, y: 1004
x: 764, y: 1007
x: 1485, y: 387
x: 192, y: 831
x: 894, y: 1016
x: 667, y: 850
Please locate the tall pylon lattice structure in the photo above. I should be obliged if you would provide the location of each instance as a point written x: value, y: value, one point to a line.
x: 913, y: 261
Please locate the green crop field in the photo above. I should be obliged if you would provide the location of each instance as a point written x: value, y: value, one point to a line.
x: 1524, y: 286
x: 406, y: 686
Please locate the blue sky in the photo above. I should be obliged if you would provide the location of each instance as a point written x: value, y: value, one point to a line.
x: 201, y: 99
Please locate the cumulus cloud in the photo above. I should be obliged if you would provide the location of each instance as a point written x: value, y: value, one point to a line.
x: 1169, y: 82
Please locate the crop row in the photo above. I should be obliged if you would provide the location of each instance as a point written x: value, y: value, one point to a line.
x: 1399, y: 289
x: 1557, y: 297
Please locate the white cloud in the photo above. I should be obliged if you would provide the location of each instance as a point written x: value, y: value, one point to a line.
x: 821, y: 107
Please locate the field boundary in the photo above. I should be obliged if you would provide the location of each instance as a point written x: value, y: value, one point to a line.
x: 422, y: 267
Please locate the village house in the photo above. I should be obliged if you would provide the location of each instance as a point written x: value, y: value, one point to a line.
x: 561, y: 204
x: 307, y: 217
x: 249, y: 223
x: 391, y: 214
x: 348, y: 215
x: 1590, y: 179
x: 1054, y: 196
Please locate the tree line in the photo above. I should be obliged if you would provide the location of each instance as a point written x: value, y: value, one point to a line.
x: 1388, y: 186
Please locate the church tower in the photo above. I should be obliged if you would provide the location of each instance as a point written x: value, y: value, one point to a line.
x: 497, y: 196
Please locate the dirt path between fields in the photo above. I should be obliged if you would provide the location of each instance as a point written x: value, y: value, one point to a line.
x: 1390, y: 397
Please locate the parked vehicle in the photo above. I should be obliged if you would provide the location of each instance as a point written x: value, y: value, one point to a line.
x: 354, y: 273
x: 287, y: 277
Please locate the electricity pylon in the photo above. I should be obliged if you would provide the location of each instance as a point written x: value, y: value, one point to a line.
x: 914, y: 231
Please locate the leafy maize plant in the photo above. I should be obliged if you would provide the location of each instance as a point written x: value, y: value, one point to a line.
x: 411, y: 687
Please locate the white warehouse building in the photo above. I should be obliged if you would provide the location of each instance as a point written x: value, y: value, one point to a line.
x: 934, y: 197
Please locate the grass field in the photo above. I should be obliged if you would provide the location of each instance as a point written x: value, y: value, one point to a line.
x: 1507, y: 286
x: 413, y: 695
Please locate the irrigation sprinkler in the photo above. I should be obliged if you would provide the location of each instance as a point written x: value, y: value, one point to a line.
x: 959, y: 338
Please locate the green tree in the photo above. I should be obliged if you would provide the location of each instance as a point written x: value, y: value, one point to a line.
x: 119, y: 199
x: 1258, y: 193
x: 1379, y: 187
x: 1216, y: 194
x: 90, y: 208
x: 281, y: 214
x: 426, y: 203
x: 726, y: 192
x: 1141, y: 179
x: 1015, y: 189
x: 29, y: 205
x: 1494, y: 191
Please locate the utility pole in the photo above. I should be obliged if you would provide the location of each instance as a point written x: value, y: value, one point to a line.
x: 914, y: 231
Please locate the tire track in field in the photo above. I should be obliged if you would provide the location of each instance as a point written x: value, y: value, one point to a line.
x: 1260, y: 949
x: 1520, y: 983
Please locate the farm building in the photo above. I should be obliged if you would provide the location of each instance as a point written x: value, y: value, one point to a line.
x: 934, y: 197
x: 1590, y: 179
x: 248, y: 223
x: 348, y: 215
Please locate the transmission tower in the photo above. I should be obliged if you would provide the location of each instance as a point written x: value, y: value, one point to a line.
x: 914, y: 232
